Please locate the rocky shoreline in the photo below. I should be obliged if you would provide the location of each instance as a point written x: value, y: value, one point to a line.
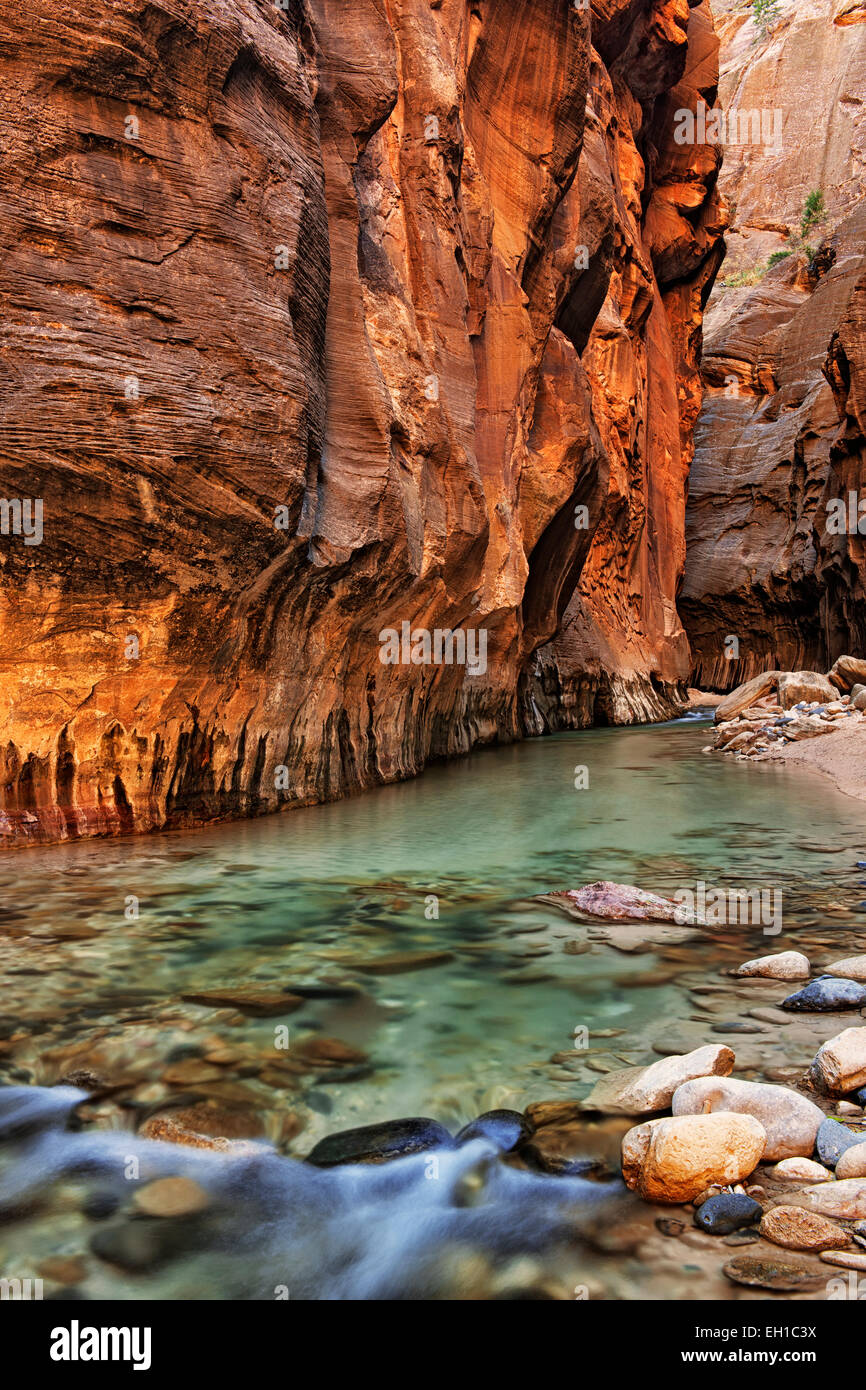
x: 739, y: 1153
x: 783, y: 716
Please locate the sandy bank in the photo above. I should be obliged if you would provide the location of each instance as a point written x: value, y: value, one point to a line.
x: 840, y: 756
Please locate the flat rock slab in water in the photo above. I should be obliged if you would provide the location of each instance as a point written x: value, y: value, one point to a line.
x: 507, y: 1129
x: 325, y: 991
x: 728, y: 1212
x: 402, y: 962
x: 780, y: 1276
x: 617, y: 902
x: 380, y: 1143
x: 264, y: 1003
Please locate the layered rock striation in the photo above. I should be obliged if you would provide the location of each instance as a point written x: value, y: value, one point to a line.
x: 323, y: 322
x: 776, y: 562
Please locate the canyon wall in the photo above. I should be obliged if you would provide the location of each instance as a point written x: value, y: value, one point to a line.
x: 772, y: 580
x: 323, y: 321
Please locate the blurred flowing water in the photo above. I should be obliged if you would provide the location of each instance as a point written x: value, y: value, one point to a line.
x: 317, y: 898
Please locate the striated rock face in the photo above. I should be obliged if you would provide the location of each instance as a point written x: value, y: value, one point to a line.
x: 322, y: 320
x: 621, y: 654
x: 780, y: 439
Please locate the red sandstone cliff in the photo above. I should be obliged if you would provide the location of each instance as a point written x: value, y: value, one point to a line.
x: 781, y: 432
x: 299, y: 344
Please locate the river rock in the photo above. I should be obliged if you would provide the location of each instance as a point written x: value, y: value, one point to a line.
x: 787, y: 965
x: 401, y: 962
x: 640, y: 1092
x: 849, y: 1260
x: 177, y: 1196
x: 795, y: 686
x: 800, y: 1170
x: 746, y: 695
x: 319, y: 1051
x: 846, y: 1199
x: 808, y: 726
x: 833, y: 1139
x: 825, y: 995
x: 255, y: 1000
x: 791, y: 1121
x: 674, y: 1159
x: 381, y: 1142
x: 840, y: 1065
x: 851, y: 968
x: 728, y: 1212
x: 553, y: 1112
x: 506, y: 1129
x: 140, y: 1244
x: 779, y: 1275
x: 797, y: 1229
x: 852, y: 1164
x: 617, y: 902
x: 846, y: 672
x: 565, y: 1149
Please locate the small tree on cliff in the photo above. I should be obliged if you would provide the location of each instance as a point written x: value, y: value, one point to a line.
x: 765, y: 13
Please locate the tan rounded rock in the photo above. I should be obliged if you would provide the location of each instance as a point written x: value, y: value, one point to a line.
x: 800, y: 1170
x: 840, y: 1065
x: 635, y: 1146
x: 852, y: 1164
x: 653, y: 1088
x: 675, y: 1159
x: 786, y: 965
x: 790, y: 1120
x: 796, y: 1229
x: 850, y: 968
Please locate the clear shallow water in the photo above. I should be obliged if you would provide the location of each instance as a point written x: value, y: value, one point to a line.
x: 319, y: 895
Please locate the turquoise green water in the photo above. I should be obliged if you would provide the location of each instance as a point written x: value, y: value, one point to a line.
x: 309, y: 895
x: 318, y: 895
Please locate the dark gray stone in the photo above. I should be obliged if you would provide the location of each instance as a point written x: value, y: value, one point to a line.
x: 507, y: 1129
x: 380, y: 1143
x: 728, y: 1212
x: 833, y: 1139
x: 827, y: 994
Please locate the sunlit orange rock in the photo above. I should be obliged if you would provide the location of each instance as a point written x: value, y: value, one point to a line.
x: 320, y: 321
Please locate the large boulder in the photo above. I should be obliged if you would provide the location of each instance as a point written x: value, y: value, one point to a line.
x: 847, y: 671
x: 795, y: 686
x: 641, y: 1092
x: 791, y: 1121
x: 840, y: 1065
x: 746, y: 695
x: 673, y: 1160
